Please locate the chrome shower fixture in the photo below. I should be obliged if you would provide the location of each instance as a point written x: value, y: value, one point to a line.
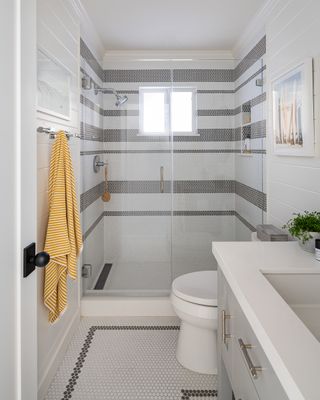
x: 86, y: 82
x: 120, y: 99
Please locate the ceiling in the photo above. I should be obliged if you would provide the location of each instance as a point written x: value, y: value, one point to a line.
x: 170, y: 24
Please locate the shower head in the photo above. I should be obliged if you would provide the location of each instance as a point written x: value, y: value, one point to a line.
x: 120, y: 99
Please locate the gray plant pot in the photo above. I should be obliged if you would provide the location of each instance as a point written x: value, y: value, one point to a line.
x: 310, y: 244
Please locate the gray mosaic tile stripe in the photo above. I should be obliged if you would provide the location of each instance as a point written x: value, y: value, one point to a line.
x: 245, y: 222
x: 203, y: 186
x: 90, y: 104
x: 254, y: 54
x: 215, y: 151
x: 254, y: 196
x: 244, y: 83
x: 250, y: 194
x: 201, y: 113
x: 137, y: 75
x: 91, y: 132
x: 216, y: 113
x: 203, y: 75
x: 205, y: 135
x: 188, y: 394
x: 256, y: 130
x: 86, y: 53
x: 91, y: 196
x: 258, y: 99
x: 209, y: 91
x: 121, y: 113
x: 92, y: 152
x: 159, y: 213
x: 92, y: 227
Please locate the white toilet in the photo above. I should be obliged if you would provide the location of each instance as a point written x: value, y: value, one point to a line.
x: 194, y: 299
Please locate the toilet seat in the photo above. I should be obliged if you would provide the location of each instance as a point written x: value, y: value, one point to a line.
x: 197, y: 287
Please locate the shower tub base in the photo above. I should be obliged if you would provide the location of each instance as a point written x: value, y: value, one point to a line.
x: 112, y: 306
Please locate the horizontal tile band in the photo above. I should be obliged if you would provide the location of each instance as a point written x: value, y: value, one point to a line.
x: 86, y: 53
x: 176, y: 75
x: 198, y: 151
x: 166, y: 213
x: 250, y: 194
x: 93, y: 133
x: 157, y: 213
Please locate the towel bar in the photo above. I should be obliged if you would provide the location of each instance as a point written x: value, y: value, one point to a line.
x: 52, y: 132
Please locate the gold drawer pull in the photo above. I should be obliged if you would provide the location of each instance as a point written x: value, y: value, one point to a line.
x: 252, y: 368
x: 225, y: 336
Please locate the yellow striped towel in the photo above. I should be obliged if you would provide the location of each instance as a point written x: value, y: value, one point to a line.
x: 64, y: 238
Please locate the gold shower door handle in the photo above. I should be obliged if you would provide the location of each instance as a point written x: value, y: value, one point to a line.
x: 161, y: 179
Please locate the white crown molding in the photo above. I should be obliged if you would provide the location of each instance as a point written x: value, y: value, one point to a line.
x: 89, y: 34
x: 255, y: 30
x: 166, y: 55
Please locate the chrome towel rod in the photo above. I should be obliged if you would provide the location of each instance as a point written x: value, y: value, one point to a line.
x: 52, y: 132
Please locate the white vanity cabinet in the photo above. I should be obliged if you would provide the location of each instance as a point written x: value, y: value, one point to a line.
x: 248, y: 370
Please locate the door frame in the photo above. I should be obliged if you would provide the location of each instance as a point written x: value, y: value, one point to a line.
x: 18, y: 345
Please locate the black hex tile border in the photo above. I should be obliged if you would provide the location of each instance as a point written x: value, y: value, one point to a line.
x: 67, y: 394
x: 187, y: 394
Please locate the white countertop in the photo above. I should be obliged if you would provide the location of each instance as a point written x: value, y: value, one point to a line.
x: 292, y: 350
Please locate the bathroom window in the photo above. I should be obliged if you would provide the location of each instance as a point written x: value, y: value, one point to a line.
x: 164, y: 110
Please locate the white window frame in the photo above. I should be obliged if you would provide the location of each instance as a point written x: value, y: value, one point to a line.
x: 168, y: 110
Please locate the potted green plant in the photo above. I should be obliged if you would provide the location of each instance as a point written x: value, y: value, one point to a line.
x: 306, y: 228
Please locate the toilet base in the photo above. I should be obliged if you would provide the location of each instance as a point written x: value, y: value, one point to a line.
x: 197, y: 349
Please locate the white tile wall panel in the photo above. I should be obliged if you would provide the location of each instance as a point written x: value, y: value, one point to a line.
x: 192, y: 238
x: 91, y: 214
x: 248, y: 211
x: 203, y: 166
x: 92, y: 253
x: 137, y: 239
x: 139, y: 202
x: 242, y: 232
x: 249, y: 170
x: 203, y: 201
x: 138, y: 166
x: 89, y: 177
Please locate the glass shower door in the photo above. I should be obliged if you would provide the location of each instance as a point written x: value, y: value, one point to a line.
x: 137, y: 149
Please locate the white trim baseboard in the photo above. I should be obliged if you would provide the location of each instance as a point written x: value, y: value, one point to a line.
x: 57, y: 356
x: 116, y: 306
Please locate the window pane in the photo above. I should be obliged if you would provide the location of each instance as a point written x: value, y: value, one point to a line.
x: 154, y: 112
x: 181, y: 111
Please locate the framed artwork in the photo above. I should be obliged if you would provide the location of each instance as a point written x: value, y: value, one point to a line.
x: 293, y: 125
x: 53, y: 91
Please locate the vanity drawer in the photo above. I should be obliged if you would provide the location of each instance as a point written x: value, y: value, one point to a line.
x: 256, y: 363
x: 243, y: 387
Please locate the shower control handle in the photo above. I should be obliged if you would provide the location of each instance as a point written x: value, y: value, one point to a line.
x: 161, y: 179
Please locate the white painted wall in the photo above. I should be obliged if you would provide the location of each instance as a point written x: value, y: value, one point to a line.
x: 58, y: 35
x: 293, y: 32
x: 8, y: 234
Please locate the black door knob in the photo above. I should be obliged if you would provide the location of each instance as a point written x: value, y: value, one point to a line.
x: 41, y: 259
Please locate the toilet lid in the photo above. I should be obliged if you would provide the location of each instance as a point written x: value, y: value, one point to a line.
x: 197, y: 287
